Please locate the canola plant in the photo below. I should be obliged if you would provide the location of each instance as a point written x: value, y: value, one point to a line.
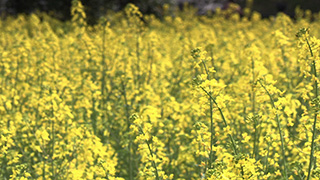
x: 184, y: 97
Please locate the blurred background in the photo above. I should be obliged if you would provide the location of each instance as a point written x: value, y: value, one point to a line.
x: 96, y: 8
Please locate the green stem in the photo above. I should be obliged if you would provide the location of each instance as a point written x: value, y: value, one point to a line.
x: 151, y: 154
x: 53, y: 142
x: 104, y: 65
x: 211, y: 116
x: 315, y: 115
x: 266, y: 161
x: 42, y: 157
x: 255, y: 146
x: 127, y: 111
x: 223, y: 118
x: 279, y: 129
x: 138, y: 61
x: 150, y: 58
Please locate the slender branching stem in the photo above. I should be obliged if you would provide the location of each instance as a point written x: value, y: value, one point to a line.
x: 266, y: 164
x: 315, y: 115
x: 211, y: 117
x: 223, y: 118
x: 279, y: 129
x: 154, y: 164
x: 53, y: 143
x: 127, y: 111
x: 253, y: 99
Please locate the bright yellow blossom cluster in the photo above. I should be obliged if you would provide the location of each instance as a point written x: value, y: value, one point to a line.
x: 136, y: 97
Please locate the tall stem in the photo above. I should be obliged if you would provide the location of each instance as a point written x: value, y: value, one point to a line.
x: 280, y: 132
x: 211, y: 116
x: 266, y: 161
x: 223, y: 118
x: 138, y: 62
x: 255, y: 146
x: 53, y: 143
x: 315, y: 115
x: 104, y: 65
x: 127, y: 111
x: 154, y: 164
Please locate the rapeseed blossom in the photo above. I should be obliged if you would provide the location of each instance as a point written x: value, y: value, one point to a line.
x: 136, y: 97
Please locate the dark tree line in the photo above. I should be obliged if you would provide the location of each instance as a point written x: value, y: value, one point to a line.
x: 61, y: 8
x: 96, y: 8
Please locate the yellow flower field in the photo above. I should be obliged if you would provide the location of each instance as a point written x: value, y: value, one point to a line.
x: 184, y: 97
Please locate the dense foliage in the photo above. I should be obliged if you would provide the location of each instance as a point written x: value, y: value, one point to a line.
x: 133, y: 97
